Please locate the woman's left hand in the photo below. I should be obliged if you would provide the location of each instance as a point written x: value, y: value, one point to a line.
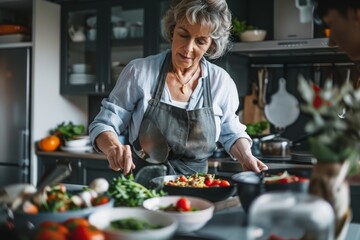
x: 251, y: 163
x: 241, y: 150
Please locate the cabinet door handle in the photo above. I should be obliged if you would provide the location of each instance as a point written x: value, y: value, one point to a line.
x: 103, y: 87
x: 96, y: 87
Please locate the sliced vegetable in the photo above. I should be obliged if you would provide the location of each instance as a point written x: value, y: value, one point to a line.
x: 126, y: 192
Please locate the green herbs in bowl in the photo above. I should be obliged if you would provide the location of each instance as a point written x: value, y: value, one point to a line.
x: 133, y: 224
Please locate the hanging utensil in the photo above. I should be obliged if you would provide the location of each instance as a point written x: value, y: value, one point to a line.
x: 317, y: 76
x: 260, y: 90
x: 283, y: 109
x: 347, y: 80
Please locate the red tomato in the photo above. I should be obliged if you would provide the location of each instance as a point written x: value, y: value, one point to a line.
x: 100, y: 200
x: 285, y: 180
x: 303, y: 179
x: 48, y: 234
x: 54, y: 226
x: 183, y: 178
x: 216, y: 182
x: 87, y: 233
x: 208, y: 181
x: 183, y: 204
x: 73, y: 223
x: 224, y: 183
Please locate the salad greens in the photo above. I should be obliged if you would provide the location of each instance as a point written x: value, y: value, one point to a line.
x: 132, y: 224
x: 69, y: 130
x: 127, y: 192
x: 257, y: 128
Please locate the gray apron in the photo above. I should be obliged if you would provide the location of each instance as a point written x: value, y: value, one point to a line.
x: 190, y: 135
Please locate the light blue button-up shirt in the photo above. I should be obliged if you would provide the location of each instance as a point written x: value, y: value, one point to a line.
x: 128, y: 101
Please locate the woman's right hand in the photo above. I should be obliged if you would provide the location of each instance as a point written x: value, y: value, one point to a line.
x: 119, y: 156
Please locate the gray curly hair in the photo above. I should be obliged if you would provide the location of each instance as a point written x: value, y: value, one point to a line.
x: 212, y: 13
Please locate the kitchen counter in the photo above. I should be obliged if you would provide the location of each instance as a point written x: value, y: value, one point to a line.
x: 229, y: 224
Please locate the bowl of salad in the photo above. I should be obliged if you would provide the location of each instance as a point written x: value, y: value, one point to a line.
x: 134, y: 223
x: 211, y: 187
x: 250, y: 185
x: 60, y: 202
x: 192, y: 213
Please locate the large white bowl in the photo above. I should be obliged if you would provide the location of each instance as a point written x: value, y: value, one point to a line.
x: 102, y: 219
x: 78, y: 142
x: 81, y: 68
x: 253, y: 35
x: 188, y: 221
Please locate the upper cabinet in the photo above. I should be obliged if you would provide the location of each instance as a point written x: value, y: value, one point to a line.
x: 15, y: 23
x: 98, y: 40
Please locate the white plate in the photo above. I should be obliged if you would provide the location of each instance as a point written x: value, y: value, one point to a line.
x: 80, y: 78
x: 91, y: 21
x: 77, y: 149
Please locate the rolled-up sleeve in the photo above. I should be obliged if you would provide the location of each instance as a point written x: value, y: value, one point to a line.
x: 227, y: 102
x: 115, y: 112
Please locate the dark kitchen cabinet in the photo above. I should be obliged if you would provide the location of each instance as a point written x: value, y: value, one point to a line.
x: 98, y: 38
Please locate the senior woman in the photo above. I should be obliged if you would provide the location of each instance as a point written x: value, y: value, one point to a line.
x: 176, y: 104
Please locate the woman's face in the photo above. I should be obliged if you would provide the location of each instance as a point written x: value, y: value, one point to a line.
x: 189, y: 44
x: 345, y: 31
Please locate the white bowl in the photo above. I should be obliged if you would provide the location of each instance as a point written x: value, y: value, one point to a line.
x: 81, y: 68
x: 253, y: 35
x: 79, y: 142
x: 102, y: 219
x: 188, y: 221
x: 120, y: 32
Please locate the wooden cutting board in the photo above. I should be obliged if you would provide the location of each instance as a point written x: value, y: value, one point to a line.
x: 252, y: 113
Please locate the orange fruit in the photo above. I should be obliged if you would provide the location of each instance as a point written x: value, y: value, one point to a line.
x: 50, y: 143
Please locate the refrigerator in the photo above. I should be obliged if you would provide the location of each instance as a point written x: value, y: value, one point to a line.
x: 15, y: 67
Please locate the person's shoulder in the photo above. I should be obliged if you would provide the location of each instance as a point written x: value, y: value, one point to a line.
x: 215, y: 69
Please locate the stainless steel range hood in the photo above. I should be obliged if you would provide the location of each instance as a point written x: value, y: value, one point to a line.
x: 313, y: 46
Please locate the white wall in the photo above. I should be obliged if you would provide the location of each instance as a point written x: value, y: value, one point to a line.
x: 49, y: 108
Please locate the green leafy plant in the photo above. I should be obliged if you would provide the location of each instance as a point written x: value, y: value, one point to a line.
x: 240, y: 26
x: 335, y: 125
x: 257, y: 128
x: 127, y: 192
x: 67, y: 131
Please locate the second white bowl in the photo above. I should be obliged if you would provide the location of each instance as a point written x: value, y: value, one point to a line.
x: 188, y: 221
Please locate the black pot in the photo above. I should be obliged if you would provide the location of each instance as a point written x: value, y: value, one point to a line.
x: 250, y: 184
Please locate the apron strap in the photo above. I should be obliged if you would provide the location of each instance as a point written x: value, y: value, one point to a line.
x: 162, y: 78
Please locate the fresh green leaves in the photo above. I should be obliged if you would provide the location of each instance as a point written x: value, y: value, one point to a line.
x: 69, y: 130
x: 257, y: 128
x: 126, y: 192
x: 240, y: 26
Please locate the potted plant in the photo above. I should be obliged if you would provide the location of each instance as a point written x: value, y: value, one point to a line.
x: 335, y: 125
x: 246, y: 32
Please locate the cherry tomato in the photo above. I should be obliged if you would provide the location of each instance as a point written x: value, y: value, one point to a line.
x: 208, y: 181
x: 87, y: 233
x: 224, y: 183
x: 183, y: 178
x: 303, y: 179
x: 100, y: 200
x: 285, y: 180
x: 54, y: 226
x: 48, y: 234
x: 183, y: 204
x: 73, y: 223
x: 216, y: 182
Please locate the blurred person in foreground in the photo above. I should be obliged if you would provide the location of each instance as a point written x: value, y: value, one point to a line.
x: 179, y: 96
x: 342, y: 17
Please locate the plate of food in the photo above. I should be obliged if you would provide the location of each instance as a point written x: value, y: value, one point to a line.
x: 208, y: 186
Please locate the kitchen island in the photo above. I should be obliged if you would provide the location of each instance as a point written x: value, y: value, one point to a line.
x: 229, y: 224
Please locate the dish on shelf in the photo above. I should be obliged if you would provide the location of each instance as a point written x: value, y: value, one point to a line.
x: 77, y: 149
x: 12, y: 29
x: 11, y: 38
x: 81, y: 78
x: 81, y: 68
x: 91, y: 21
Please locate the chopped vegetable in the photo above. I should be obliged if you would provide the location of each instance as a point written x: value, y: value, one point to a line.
x: 126, y: 192
x: 197, y: 180
x: 284, y: 177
